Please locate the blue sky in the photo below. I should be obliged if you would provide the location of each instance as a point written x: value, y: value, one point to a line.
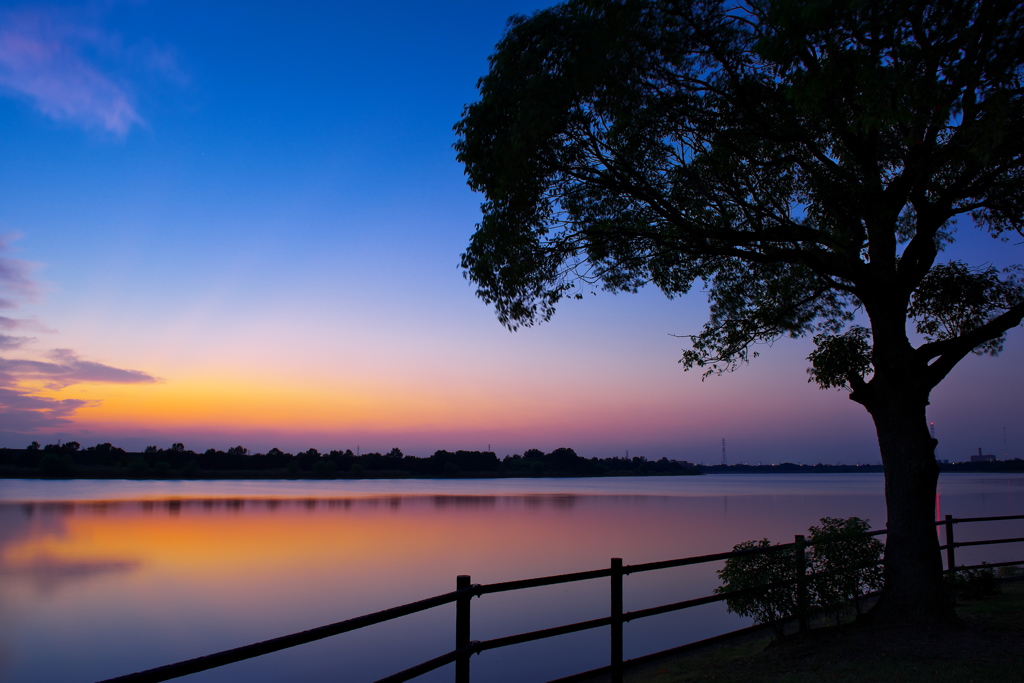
x: 236, y: 223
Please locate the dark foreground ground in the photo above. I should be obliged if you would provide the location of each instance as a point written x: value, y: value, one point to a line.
x: 989, y: 648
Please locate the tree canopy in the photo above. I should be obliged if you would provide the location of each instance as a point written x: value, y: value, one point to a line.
x: 803, y: 161
x: 796, y: 158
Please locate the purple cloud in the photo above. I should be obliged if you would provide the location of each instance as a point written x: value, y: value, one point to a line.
x: 66, y: 369
x: 15, y: 276
x: 15, y: 283
x: 10, y: 324
x: 22, y: 410
x: 7, y: 342
x: 42, y: 58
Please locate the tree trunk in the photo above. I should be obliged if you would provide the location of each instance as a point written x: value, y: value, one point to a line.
x: 914, y: 588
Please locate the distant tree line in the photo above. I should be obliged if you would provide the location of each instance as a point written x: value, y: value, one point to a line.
x: 105, y: 460
x: 1013, y: 465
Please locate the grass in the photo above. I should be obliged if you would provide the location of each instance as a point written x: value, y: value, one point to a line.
x: 988, y: 647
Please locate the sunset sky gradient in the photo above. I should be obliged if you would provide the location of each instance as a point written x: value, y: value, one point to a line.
x: 234, y: 223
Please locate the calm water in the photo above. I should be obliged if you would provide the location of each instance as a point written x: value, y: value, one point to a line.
x: 100, y: 579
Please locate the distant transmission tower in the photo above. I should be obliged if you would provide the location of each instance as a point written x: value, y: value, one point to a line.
x: 931, y: 428
x: 724, y: 460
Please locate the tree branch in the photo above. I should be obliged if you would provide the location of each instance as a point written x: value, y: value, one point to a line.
x: 948, y: 352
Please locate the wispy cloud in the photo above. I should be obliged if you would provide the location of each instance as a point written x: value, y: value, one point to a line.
x: 23, y: 413
x: 15, y: 277
x: 16, y: 283
x: 66, y: 368
x: 22, y: 409
x: 8, y: 342
x: 49, y: 56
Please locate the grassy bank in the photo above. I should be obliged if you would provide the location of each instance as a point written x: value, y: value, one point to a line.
x: 988, y: 647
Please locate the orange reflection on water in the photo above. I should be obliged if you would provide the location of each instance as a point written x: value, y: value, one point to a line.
x: 225, y: 543
x: 196, y: 575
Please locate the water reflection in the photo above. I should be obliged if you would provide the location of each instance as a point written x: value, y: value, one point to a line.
x: 175, y: 506
x: 173, y: 572
x: 47, y: 573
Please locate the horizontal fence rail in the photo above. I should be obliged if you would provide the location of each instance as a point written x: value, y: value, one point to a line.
x: 238, y: 654
x: 466, y: 591
x: 951, y: 544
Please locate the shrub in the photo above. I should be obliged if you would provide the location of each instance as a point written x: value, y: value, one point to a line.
x: 754, y: 570
x: 840, y: 553
x: 847, y: 559
x: 972, y: 584
x: 1008, y: 572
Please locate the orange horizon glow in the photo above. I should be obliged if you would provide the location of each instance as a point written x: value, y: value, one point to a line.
x: 293, y: 409
x: 246, y: 403
x: 225, y: 403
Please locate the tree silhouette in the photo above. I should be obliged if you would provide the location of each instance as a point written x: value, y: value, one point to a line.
x: 804, y: 161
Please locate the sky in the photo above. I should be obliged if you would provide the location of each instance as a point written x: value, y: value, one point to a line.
x: 229, y: 223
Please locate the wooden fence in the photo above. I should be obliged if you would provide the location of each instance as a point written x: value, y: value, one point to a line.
x: 465, y: 591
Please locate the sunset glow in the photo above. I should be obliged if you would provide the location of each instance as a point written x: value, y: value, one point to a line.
x: 213, y: 237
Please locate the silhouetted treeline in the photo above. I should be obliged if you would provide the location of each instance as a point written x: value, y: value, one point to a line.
x: 105, y: 461
x: 1014, y: 465
x: 786, y: 468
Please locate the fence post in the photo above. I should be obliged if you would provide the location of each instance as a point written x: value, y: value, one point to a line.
x: 462, y: 604
x: 950, y: 554
x: 800, y: 558
x: 616, y: 663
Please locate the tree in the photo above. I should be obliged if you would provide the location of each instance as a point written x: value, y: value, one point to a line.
x: 805, y: 161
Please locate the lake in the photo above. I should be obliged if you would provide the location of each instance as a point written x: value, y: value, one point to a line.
x: 103, y: 578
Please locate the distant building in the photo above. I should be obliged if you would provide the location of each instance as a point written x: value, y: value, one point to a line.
x: 982, y: 458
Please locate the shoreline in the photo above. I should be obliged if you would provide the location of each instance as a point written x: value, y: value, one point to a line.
x: 116, y: 473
